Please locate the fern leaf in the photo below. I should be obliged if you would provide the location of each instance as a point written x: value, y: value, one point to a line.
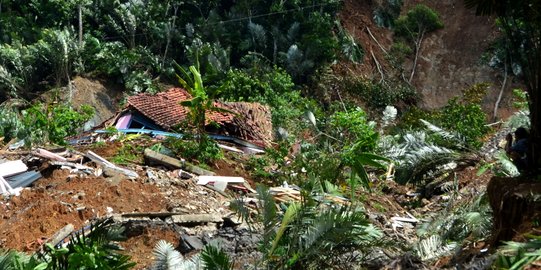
x: 167, y: 258
x: 433, y: 247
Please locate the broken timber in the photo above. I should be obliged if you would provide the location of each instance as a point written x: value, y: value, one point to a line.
x: 49, y: 155
x: 178, y: 218
x: 154, y: 157
x: 103, y: 162
x: 59, y: 236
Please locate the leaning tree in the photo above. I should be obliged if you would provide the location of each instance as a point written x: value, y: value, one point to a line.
x: 520, y: 23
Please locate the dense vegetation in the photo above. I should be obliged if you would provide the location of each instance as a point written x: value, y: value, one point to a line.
x: 278, y: 53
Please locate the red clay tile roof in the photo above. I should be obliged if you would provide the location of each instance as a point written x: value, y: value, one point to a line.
x: 251, y: 123
x: 165, y: 110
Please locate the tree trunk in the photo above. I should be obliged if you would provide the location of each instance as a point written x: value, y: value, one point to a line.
x: 418, y: 44
x: 497, y: 104
x: 535, y: 132
x: 80, y: 17
x: 169, y: 34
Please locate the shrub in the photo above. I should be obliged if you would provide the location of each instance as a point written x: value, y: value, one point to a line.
x: 204, y: 150
x: 354, y: 127
x: 43, y: 123
x: 53, y: 123
x: 270, y: 86
x: 466, y: 119
x: 131, y: 67
x: 378, y: 95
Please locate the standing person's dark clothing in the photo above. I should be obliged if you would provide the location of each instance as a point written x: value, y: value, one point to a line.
x: 518, y: 151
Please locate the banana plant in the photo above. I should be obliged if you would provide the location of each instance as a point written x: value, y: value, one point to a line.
x: 202, y: 99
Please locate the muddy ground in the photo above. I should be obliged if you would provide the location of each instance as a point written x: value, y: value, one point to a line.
x: 62, y: 198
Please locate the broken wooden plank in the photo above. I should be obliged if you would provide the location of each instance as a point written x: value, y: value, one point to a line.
x: 205, y: 179
x: 197, y: 218
x: 403, y: 219
x: 12, y: 167
x: 101, y: 161
x: 152, y: 214
x: 48, y: 155
x: 229, y: 148
x: 72, y: 165
x: 60, y: 235
x: 154, y: 157
x: 219, y: 182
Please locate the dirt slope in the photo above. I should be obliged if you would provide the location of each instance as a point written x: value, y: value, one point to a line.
x: 450, y: 58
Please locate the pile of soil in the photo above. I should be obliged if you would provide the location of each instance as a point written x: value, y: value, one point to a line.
x: 59, y: 200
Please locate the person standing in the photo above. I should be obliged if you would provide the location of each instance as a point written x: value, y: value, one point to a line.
x: 517, y: 150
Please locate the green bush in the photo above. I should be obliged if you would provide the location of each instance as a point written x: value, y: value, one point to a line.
x: 466, y: 119
x: 379, y: 95
x: 53, y: 123
x: 469, y: 120
x: 205, y: 150
x: 131, y: 67
x: 42, y: 123
x: 270, y: 86
x: 354, y: 127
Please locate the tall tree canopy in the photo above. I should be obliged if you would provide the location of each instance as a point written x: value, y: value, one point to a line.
x: 520, y: 21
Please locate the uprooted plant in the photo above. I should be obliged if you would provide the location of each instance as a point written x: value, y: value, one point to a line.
x: 312, y: 233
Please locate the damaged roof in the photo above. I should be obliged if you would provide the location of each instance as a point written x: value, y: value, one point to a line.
x: 252, y: 121
x: 165, y: 110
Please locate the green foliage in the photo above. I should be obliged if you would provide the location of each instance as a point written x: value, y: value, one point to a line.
x: 386, y: 12
x: 343, y: 148
x: 42, y: 123
x: 416, y: 155
x: 96, y: 250
x: 271, y: 86
x: 128, y: 153
x: 417, y: 21
x: 215, y: 259
x: 258, y: 167
x: 354, y: 127
x: 464, y: 116
x: 466, y: 119
x: 470, y: 220
x: 378, y: 95
x: 311, y: 234
x: 203, y: 150
x: 13, y: 260
x: 398, y: 54
x: 521, y: 118
x: 521, y: 99
x: 514, y: 255
x: 167, y: 258
x: 132, y: 67
x: 60, y: 52
x: 350, y: 49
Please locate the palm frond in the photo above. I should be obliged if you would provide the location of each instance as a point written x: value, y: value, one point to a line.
x: 507, y: 166
x: 433, y: 247
x: 267, y: 208
x: 415, y: 157
x: 240, y: 209
x: 289, y: 215
x: 515, y: 255
x: 6, y: 260
x: 167, y: 258
x: 215, y: 259
x: 450, y: 136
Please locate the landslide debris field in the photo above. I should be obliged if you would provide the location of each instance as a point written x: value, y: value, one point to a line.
x: 159, y: 204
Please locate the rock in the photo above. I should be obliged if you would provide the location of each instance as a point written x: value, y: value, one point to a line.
x: 193, y: 242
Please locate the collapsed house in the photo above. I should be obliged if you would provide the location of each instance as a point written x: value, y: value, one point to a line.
x: 250, y: 122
